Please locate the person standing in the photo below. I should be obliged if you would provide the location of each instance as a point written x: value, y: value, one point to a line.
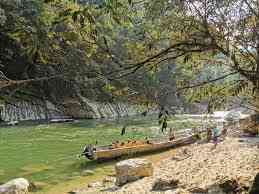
x: 215, y: 135
x: 224, y: 130
x: 209, y: 134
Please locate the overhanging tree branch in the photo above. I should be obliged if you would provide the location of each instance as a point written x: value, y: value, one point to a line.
x: 208, y: 81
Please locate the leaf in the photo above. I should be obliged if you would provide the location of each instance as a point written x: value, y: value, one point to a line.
x: 75, y: 15
x: 49, y: 1
x: 89, y: 16
x: 66, y: 12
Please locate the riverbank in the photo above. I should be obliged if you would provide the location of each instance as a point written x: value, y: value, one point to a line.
x: 198, y: 168
x: 107, y: 173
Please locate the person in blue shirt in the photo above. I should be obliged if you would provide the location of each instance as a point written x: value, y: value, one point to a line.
x: 215, y: 135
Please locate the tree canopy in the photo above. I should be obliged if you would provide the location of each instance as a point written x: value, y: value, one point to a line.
x: 118, y: 46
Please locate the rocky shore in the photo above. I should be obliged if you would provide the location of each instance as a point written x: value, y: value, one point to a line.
x: 229, y: 168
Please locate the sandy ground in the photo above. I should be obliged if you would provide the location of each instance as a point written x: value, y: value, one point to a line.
x: 196, y: 166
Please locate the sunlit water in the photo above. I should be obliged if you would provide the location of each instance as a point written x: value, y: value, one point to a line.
x: 47, y: 153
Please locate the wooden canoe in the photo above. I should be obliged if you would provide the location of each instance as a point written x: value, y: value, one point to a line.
x: 111, y: 152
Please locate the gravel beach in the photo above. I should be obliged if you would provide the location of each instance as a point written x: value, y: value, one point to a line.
x: 197, y: 166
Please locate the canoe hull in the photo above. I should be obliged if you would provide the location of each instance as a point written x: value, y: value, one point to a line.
x: 107, y: 154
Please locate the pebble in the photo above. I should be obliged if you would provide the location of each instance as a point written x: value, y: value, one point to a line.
x: 87, y: 173
x: 95, y: 184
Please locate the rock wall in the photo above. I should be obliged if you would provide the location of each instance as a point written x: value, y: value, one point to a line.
x: 90, y: 109
x: 22, y: 110
x: 44, y: 110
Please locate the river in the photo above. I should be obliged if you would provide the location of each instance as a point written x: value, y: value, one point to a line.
x: 46, y: 154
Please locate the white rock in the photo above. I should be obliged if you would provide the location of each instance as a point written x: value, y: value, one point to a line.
x: 132, y: 169
x: 109, y: 180
x: 95, y: 184
x: 12, y: 123
x: 87, y: 173
x: 15, y: 186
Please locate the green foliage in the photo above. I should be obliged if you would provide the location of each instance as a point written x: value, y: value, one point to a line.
x: 104, y: 41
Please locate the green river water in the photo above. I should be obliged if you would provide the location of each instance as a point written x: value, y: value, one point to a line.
x: 47, y: 153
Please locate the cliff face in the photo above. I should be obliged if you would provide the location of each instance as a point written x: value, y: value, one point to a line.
x: 44, y: 110
x: 23, y: 110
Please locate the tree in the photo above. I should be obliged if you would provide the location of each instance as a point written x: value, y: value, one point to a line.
x: 199, y: 33
x: 62, y: 49
x: 109, y: 40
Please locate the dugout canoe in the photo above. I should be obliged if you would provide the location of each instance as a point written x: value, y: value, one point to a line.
x: 134, y: 147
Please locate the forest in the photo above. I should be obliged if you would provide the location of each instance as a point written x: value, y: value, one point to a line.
x: 119, y: 49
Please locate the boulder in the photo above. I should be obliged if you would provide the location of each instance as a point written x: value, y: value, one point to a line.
x: 233, y: 116
x: 230, y: 186
x: 255, y: 187
x: 164, y: 184
x: 225, y: 187
x: 15, y: 186
x: 132, y: 169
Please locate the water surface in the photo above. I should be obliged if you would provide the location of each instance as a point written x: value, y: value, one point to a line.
x: 47, y: 153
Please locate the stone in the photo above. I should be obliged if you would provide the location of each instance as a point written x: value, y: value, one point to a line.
x: 3, y: 17
x: 12, y: 123
x: 164, y: 184
x: 35, y: 186
x: 95, y: 185
x: 32, y: 187
x: 255, y: 186
x: 198, y: 190
x: 109, y: 180
x: 229, y: 186
x: 78, y: 191
x: 132, y: 170
x: 232, y: 116
x: 72, y: 192
x: 224, y: 187
x: 215, y: 189
x: 15, y: 186
x: 176, y: 191
x: 87, y: 173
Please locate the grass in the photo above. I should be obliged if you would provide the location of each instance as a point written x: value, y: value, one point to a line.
x: 47, y: 153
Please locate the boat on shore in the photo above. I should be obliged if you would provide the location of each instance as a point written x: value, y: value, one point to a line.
x: 131, y: 148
